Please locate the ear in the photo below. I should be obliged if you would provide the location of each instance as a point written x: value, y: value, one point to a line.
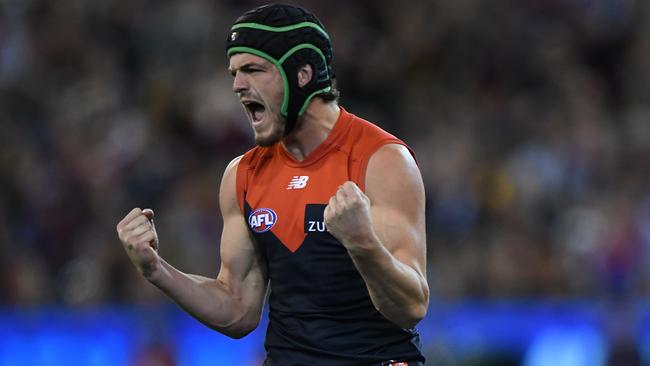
x: 305, y: 73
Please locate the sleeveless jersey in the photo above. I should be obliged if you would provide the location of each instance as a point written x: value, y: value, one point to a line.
x: 320, y: 312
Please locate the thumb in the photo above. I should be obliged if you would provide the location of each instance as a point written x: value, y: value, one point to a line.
x: 149, y: 213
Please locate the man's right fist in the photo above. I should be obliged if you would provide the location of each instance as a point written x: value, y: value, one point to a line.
x: 140, y: 240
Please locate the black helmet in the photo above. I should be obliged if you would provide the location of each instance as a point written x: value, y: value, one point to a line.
x: 289, y: 37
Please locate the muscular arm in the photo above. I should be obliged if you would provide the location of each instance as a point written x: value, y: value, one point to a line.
x: 385, y: 234
x: 231, y: 303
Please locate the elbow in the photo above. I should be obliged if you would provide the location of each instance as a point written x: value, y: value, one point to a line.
x: 238, y: 329
x: 419, y: 313
x: 412, y: 316
x: 419, y: 310
x: 407, y: 316
x: 237, y: 333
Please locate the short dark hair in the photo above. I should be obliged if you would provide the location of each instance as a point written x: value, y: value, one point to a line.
x: 331, y: 95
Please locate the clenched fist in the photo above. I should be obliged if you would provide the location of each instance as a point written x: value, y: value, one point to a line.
x: 140, y: 240
x: 347, y: 216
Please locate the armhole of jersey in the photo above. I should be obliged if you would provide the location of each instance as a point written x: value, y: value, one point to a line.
x: 359, y: 176
x: 242, y: 181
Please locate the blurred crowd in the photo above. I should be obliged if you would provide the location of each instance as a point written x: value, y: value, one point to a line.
x: 530, y: 120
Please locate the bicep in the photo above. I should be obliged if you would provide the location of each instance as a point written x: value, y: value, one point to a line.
x: 396, y: 192
x: 242, y: 270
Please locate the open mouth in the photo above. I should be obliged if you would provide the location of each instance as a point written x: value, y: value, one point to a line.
x: 255, y: 110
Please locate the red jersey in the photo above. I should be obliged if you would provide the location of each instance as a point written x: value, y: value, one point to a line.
x: 320, y: 309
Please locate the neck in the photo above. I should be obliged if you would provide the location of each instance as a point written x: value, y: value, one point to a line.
x: 312, y: 128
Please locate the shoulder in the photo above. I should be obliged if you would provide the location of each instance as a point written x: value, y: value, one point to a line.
x: 392, y: 170
x: 391, y: 156
x: 240, y: 164
x: 235, y: 181
x: 373, y: 149
x: 230, y: 174
x: 231, y: 168
x: 231, y: 186
x: 252, y: 158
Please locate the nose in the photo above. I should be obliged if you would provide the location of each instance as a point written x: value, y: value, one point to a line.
x: 239, y: 83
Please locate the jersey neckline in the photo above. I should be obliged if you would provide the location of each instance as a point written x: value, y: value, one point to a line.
x: 338, y: 131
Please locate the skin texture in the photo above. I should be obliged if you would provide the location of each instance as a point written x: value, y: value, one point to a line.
x: 254, y: 80
x: 231, y: 303
x: 384, y: 232
x: 383, y: 229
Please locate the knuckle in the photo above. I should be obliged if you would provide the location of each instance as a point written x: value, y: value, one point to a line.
x: 142, y: 228
x: 135, y: 238
x: 128, y: 239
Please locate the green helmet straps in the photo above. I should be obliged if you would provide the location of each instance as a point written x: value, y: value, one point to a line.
x: 289, y: 37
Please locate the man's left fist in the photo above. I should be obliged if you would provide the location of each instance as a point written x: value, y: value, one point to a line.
x: 347, y: 215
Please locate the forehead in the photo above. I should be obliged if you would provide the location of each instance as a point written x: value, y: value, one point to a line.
x: 240, y: 59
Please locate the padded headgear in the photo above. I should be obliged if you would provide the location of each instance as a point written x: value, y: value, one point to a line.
x: 289, y: 37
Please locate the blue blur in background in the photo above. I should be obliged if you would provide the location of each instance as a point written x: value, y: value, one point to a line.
x: 469, y: 333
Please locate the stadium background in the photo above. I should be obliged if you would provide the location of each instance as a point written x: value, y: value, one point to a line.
x: 530, y: 119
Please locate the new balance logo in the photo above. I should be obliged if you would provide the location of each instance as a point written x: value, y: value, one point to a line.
x: 298, y: 182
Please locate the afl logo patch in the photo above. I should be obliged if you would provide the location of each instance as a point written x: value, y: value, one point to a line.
x: 262, y: 220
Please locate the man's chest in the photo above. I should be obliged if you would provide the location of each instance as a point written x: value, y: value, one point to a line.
x: 288, y: 202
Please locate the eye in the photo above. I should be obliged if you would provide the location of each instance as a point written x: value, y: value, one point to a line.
x: 251, y: 69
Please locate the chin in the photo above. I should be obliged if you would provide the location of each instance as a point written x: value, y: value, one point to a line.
x: 270, y: 138
x: 266, y: 141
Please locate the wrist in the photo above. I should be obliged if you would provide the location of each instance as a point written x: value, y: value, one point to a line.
x: 154, y: 272
x: 362, y: 247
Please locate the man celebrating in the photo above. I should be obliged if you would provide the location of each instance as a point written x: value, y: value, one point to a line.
x: 327, y: 210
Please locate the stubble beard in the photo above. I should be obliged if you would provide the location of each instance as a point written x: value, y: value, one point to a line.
x: 275, y: 136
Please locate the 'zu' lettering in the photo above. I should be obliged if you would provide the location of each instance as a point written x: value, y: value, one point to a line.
x: 317, y: 226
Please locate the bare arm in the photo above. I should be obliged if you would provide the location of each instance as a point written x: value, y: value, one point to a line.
x: 231, y: 303
x: 384, y: 232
